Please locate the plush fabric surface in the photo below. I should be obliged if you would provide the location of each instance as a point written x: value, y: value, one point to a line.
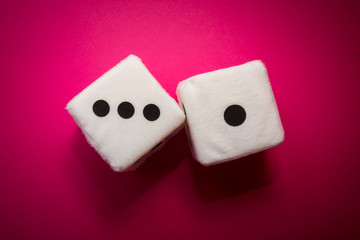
x: 125, y: 113
x: 253, y: 120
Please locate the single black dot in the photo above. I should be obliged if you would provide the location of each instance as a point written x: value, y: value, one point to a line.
x: 151, y: 112
x: 126, y: 110
x: 101, y: 108
x: 235, y: 115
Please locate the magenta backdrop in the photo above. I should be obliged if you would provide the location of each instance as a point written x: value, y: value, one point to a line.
x: 53, y: 185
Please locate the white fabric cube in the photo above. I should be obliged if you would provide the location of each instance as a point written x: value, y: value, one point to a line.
x: 125, y: 114
x: 230, y: 113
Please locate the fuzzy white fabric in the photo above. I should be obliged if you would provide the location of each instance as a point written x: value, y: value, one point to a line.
x: 125, y: 143
x: 206, y: 96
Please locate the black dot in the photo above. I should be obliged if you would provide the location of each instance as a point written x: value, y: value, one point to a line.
x: 126, y: 110
x: 235, y: 115
x: 101, y: 108
x: 151, y: 112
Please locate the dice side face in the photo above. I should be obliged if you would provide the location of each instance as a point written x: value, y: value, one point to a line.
x: 125, y: 113
x: 230, y: 113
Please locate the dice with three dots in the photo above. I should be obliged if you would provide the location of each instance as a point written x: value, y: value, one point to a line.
x: 126, y: 114
x: 230, y: 113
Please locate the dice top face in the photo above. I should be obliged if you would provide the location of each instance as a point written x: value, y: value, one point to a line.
x: 230, y: 113
x: 125, y: 113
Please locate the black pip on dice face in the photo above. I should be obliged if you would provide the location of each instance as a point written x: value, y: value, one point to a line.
x: 235, y: 115
x: 126, y: 110
x: 151, y: 112
x: 101, y: 108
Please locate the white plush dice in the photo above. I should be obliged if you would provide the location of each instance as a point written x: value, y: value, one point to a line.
x: 125, y: 114
x: 230, y: 113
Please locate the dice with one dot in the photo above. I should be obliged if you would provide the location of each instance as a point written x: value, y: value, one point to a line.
x: 230, y: 113
x: 126, y: 114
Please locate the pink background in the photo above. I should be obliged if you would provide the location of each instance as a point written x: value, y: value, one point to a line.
x: 53, y: 185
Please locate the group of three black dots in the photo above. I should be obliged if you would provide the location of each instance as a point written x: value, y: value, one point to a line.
x: 234, y: 115
x: 126, y: 110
